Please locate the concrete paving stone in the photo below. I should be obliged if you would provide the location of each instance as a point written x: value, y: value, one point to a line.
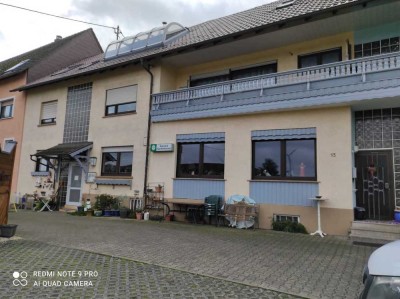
x: 268, y: 259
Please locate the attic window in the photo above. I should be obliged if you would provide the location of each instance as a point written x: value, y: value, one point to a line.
x: 17, y: 66
x: 157, y: 37
x: 285, y: 3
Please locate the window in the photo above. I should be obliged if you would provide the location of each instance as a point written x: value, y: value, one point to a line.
x: 383, y: 46
x: 49, y: 113
x: 117, y: 161
x: 233, y: 74
x: 324, y: 57
x: 6, y: 109
x: 201, y: 160
x: 284, y: 218
x: 42, y: 165
x: 121, y: 100
x: 292, y: 159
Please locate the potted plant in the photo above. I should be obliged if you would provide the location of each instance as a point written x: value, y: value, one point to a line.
x: 104, y: 202
x: 139, y: 214
x: 158, y: 188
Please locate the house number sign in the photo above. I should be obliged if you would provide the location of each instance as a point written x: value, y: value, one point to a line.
x: 162, y: 147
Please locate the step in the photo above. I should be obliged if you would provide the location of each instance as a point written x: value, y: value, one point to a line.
x: 369, y: 232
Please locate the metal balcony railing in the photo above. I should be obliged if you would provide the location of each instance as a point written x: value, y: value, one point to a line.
x: 341, y: 69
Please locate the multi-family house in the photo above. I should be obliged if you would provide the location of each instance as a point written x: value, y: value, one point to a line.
x: 28, y: 67
x: 284, y: 102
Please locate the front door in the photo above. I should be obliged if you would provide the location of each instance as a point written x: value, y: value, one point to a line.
x: 375, y: 190
x: 74, y: 188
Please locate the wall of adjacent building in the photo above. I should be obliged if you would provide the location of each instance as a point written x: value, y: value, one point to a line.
x: 13, y: 127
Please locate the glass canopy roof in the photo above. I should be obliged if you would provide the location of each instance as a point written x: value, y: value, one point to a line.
x: 157, y: 37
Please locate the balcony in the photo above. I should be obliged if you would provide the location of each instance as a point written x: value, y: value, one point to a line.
x: 343, y: 83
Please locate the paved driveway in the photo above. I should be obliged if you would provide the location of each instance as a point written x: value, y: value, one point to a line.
x: 297, y: 264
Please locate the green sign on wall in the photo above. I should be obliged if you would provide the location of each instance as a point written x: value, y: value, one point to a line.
x: 162, y: 147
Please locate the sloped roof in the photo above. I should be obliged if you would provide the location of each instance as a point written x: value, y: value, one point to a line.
x: 34, y: 56
x: 246, y: 21
x: 65, y: 149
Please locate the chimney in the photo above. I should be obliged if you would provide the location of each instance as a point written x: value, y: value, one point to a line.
x: 58, y: 37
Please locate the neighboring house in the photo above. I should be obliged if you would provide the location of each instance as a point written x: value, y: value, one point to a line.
x: 28, y: 67
x: 283, y: 102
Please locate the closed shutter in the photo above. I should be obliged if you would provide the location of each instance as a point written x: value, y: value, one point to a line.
x: 121, y: 95
x: 283, y: 134
x: 49, y: 110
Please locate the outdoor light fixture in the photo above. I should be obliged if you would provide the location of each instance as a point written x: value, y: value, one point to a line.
x: 9, y: 146
x: 92, y: 161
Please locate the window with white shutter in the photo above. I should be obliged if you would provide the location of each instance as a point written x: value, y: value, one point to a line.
x: 49, y: 113
x: 121, y: 100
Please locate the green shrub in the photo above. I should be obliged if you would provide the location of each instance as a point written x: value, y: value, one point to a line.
x: 106, y: 202
x: 288, y: 226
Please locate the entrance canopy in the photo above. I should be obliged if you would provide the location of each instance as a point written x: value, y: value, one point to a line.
x: 64, y: 150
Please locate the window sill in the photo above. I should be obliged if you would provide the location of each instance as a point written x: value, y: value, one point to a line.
x: 114, y: 181
x: 200, y: 179
x: 5, y: 118
x: 116, y: 177
x: 284, y: 181
x: 46, y: 125
x: 119, y: 114
x: 40, y: 173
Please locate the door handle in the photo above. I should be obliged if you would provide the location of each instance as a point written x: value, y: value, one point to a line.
x: 387, y: 186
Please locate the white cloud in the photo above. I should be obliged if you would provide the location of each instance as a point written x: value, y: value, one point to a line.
x: 23, y: 31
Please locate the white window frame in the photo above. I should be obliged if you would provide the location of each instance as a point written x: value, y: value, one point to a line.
x: 112, y: 101
x: 42, y: 116
x: 12, y: 109
x: 5, y: 140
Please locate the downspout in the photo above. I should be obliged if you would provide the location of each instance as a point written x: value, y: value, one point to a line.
x: 147, y: 68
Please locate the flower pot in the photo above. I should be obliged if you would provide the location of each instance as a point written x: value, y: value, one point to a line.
x: 89, y: 213
x: 169, y: 217
x: 107, y: 213
x: 123, y: 213
x: 81, y: 209
x: 98, y: 213
x: 7, y: 230
x: 397, y: 216
x: 139, y: 216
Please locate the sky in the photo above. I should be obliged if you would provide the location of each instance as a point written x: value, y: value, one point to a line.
x: 22, y: 31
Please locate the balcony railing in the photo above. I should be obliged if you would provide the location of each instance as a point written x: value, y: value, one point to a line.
x: 342, y: 69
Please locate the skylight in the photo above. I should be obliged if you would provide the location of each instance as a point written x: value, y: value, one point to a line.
x: 17, y: 66
x: 285, y: 3
x: 157, y: 37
